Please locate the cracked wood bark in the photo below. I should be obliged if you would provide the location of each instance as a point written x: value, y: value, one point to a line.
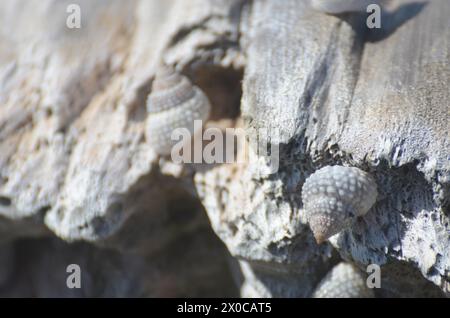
x: 331, y: 93
x: 74, y: 161
x: 74, y: 157
x: 73, y: 106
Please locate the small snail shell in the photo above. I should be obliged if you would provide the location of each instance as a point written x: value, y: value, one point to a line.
x: 341, y: 6
x: 334, y: 196
x: 174, y: 102
x: 343, y: 281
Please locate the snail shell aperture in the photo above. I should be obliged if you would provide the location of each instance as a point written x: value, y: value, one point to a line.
x: 334, y: 196
x: 341, y: 6
x: 174, y: 102
x: 343, y: 281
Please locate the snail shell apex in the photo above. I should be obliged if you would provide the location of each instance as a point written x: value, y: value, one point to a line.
x: 343, y: 281
x: 174, y: 102
x: 334, y: 196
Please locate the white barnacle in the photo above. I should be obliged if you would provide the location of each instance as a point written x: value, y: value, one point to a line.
x: 334, y: 196
x: 343, y: 281
x: 173, y: 103
x: 342, y: 6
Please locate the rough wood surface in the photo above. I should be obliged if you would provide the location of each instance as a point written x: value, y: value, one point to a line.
x: 75, y: 162
x: 333, y: 92
x: 74, y: 159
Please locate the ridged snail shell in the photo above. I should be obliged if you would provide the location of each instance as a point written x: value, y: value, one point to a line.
x: 341, y: 6
x: 334, y: 196
x: 343, y: 281
x: 174, y: 102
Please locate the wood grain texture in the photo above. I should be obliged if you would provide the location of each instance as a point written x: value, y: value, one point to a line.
x: 75, y: 162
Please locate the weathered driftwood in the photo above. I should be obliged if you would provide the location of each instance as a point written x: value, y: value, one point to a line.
x: 399, y: 121
x: 73, y: 153
x: 334, y: 93
x: 75, y: 161
x: 72, y: 133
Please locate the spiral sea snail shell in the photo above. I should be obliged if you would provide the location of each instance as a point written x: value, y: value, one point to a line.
x: 343, y: 281
x: 174, y: 102
x: 341, y: 6
x: 334, y: 196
